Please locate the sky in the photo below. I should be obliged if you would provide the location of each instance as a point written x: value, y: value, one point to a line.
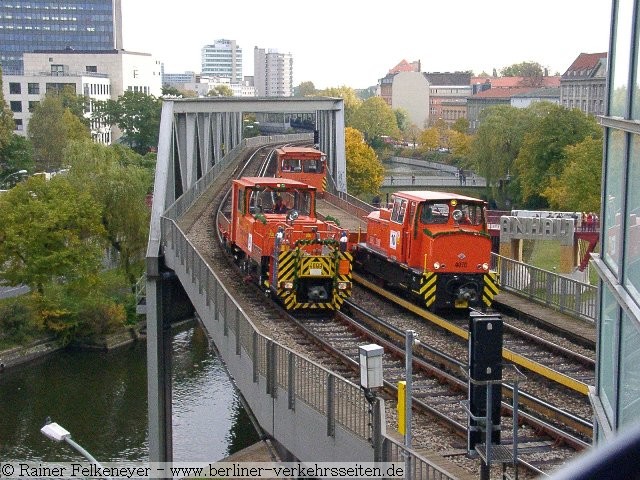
x: 354, y: 43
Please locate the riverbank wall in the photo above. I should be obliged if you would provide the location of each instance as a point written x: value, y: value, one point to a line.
x: 41, y: 347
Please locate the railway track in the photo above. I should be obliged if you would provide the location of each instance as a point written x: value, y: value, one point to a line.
x: 431, y: 393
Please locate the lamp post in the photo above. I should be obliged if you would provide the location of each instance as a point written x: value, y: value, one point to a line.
x: 19, y: 172
x: 57, y: 433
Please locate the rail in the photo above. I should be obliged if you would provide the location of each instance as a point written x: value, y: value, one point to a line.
x: 342, y: 402
x: 551, y: 289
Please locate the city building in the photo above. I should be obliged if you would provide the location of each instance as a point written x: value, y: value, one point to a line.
x: 616, y: 396
x: 222, y: 59
x: 524, y: 100
x: 30, y: 25
x: 98, y: 75
x: 583, y: 85
x: 273, y: 73
x: 448, y: 94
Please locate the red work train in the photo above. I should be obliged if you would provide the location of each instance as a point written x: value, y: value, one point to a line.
x: 305, y: 164
x: 435, y: 246
x: 273, y: 233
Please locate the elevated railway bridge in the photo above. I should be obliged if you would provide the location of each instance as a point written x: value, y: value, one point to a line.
x: 313, y: 413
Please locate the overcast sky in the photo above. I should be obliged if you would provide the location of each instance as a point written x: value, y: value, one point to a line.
x: 355, y: 43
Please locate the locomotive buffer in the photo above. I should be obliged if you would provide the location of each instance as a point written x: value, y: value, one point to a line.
x: 485, y: 395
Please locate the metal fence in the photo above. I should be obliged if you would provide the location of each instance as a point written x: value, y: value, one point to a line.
x: 342, y: 401
x: 551, y: 289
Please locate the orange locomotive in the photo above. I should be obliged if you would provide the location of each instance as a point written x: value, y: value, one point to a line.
x: 434, y: 245
x: 274, y: 234
x: 305, y: 164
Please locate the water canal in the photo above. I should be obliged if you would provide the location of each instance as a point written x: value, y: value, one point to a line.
x: 101, y: 398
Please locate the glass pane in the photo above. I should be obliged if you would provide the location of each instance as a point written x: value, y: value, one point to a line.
x: 629, y: 373
x: 613, y: 201
x: 621, y: 59
x: 608, y: 353
x: 632, y: 240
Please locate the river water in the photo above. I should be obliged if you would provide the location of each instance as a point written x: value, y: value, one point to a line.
x: 101, y: 398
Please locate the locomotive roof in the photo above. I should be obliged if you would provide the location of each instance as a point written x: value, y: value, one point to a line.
x: 272, y: 182
x: 299, y: 150
x: 430, y: 195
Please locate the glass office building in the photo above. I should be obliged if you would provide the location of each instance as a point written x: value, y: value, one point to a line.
x: 32, y: 25
x: 616, y: 398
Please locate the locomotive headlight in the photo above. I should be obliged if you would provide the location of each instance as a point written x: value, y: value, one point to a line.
x: 287, y: 285
x: 343, y: 285
x: 436, y: 266
x: 485, y: 266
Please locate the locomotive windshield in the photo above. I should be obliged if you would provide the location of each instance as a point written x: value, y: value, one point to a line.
x: 461, y: 213
x: 272, y: 200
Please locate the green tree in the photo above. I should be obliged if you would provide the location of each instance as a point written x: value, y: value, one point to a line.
x: 542, y: 154
x: 374, y: 118
x: 220, y: 91
x: 47, y: 133
x: 60, y: 240
x: 402, y: 118
x: 351, y: 101
x: 578, y: 187
x: 170, y: 91
x: 461, y: 125
x: 16, y: 155
x: 364, y: 170
x: 305, y: 89
x: 532, y: 73
x: 7, y: 125
x: 496, y: 145
x: 137, y: 115
x: 523, y: 69
x: 76, y: 104
x: 120, y: 191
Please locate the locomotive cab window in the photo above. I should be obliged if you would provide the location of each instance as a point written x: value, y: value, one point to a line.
x: 470, y: 214
x: 313, y: 166
x: 240, y: 200
x: 291, y: 165
x: 434, y: 213
x: 399, y: 210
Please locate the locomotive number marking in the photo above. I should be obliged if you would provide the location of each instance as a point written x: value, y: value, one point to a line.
x: 315, y: 268
x: 461, y: 264
x: 394, y: 239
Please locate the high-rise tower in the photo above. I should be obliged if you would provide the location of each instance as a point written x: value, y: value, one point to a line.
x: 31, y: 25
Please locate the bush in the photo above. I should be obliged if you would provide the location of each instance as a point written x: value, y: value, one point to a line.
x: 16, y: 321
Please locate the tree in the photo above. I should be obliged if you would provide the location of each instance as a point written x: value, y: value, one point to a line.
x: 429, y: 139
x: 364, y: 170
x: 76, y: 104
x: 351, y: 101
x: 305, y: 89
x: 497, y: 144
x: 374, y: 118
x: 461, y: 125
x: 137, y: 115
x: 7, y: 125
x: 120, y: 191
x: 220, y: 91
x: 542, y: 154
x: 17, y: 154
x: 523, y: 69
x: 47, y: 133
x: 578, y: 187
x: 402, y: 118
x: 61, y: 239
x: 460, y: 144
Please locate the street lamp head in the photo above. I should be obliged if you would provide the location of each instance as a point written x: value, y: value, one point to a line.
x: 55, y: 432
